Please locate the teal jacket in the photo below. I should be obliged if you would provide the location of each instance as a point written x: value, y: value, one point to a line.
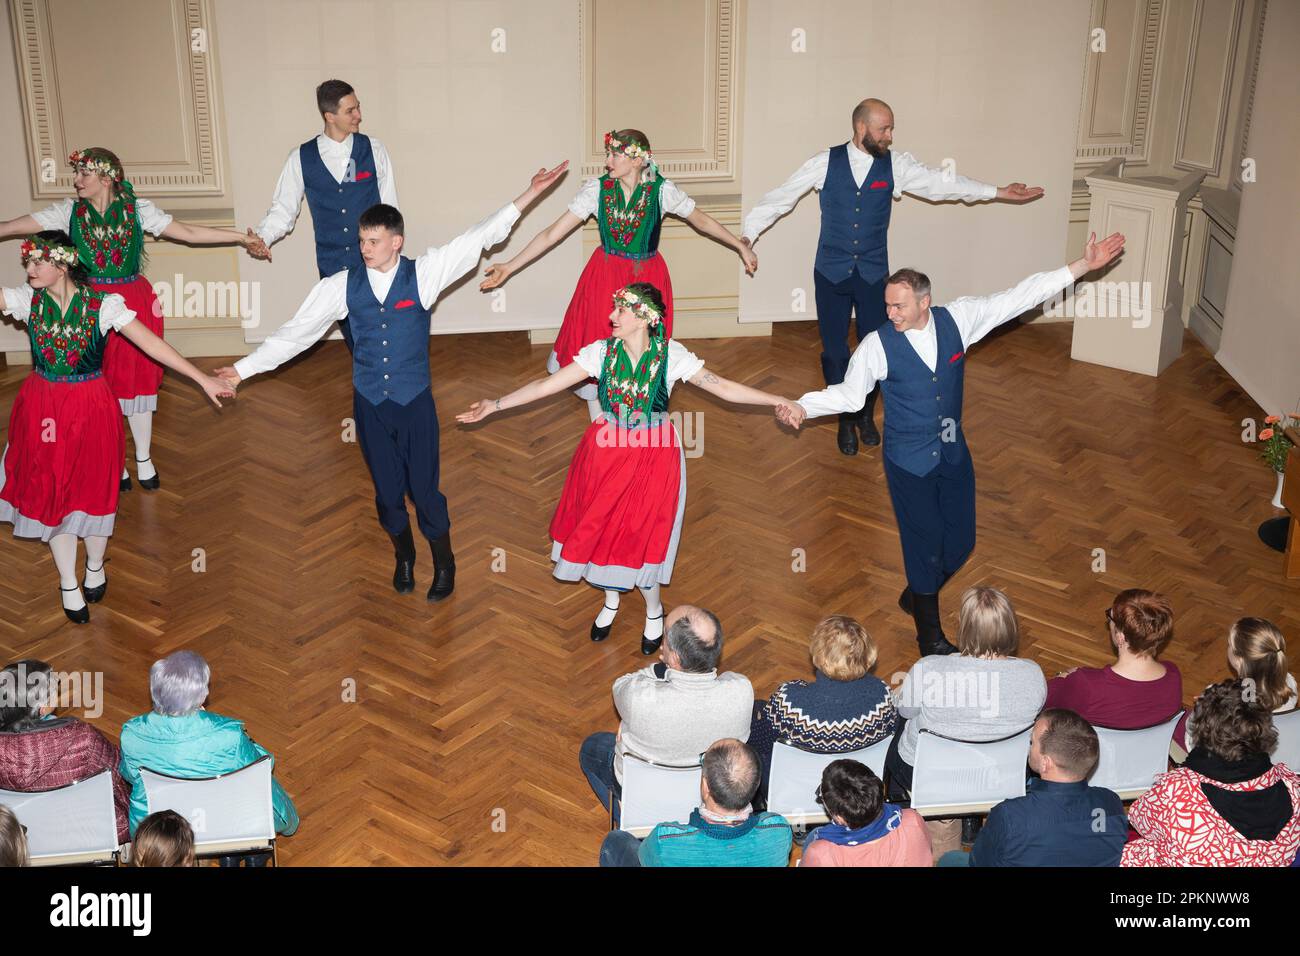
x: 761, y: 840
x: 203, y: 744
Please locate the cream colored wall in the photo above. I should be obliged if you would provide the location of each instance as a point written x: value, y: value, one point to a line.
x: 993, y: 85
x: 15, y: 194
x: 465, y: 126
x: 1261, y: 330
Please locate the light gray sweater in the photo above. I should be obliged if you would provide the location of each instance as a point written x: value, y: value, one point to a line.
x: 674, y: 720
x: 969, y: 698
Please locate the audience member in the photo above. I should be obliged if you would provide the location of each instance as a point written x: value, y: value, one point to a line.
x: 164, y: 838
x: 1257, y: 652
x: 864, y: 829
x: 13, y: 839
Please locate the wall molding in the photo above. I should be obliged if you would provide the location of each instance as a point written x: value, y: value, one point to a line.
x: 1181, y: 161
x: 1136, y: 145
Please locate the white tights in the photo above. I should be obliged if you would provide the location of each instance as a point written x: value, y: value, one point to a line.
x: 63, y: 547
x: 654, y: 611
x: 141, y: 424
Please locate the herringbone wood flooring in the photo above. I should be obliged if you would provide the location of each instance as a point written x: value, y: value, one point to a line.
x: 461, y: 745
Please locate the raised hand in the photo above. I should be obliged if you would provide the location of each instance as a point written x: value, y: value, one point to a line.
x: 257, y: 247
x: 1098, y: 254
x: 1019, y: 192
x: 228, y: 375
x: 544, y: 177
x: 495, y: 275
x: 478, y: 411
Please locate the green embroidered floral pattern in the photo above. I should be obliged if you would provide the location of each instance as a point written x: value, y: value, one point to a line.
x: 68, y: 343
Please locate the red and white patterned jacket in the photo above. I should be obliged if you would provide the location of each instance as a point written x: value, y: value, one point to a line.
x: 1179, y: 827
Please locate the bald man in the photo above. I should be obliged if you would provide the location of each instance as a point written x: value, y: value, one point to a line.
x: 858, y: 182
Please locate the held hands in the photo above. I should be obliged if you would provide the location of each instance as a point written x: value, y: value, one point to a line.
x: 1019, y: 192
x: 495, y: 275
x: 479, y: 411
x: 256, y: 246
x: 228, y: 376
x: 790, y: 413
x: 216, y: 389
x: 747, y: 256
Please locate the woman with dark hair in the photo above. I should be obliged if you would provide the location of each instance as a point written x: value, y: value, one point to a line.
x: 629, y: 202
x: 42, y: 751
x: 106, y: 223
x: 619, y: 519
x: 1228, y: 804
x: 864, y: 829
x: 59, y: 471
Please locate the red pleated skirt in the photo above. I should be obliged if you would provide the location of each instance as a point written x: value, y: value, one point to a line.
x: 133, y: 377
x: 619, y: 520
x: 59, y: 473
x: 587, y: 318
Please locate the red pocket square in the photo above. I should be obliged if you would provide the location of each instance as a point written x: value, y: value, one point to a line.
x: 955, y: 358
x: 405, y: 304
x: 880, y: 184
x: 364, y: 174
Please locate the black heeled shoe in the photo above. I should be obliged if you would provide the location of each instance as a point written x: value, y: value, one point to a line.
x: 76, y: 617
x: 148, y: 484
x: 600, y: 633
x: 124, y: 484
x: 648, y: 646
x: 96, y: 594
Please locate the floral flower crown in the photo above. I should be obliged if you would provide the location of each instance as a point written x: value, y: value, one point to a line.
x: 625, y: 298
x: 629, y: 149
x: 36, y: 249
x: 79, y: 160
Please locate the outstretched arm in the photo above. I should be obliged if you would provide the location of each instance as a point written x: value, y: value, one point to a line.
x: 196, y: 235
x: 22, y: 226
x: 540, y: 244
x: 325, y: 304
x: 867, y: 366
x: 567, y: 377
x: 715, y: 230
x: 735, y: 392
x: 913, y: 176
x: 158, y: 350
x: 778, y: 202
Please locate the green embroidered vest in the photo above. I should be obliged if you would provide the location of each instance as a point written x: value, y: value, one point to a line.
x: 110, y: 245
x: 631, y: 228
x: 68, y: 343
x: 626, y: 392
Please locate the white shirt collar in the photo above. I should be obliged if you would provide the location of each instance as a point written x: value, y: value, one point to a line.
x: 326, y: 143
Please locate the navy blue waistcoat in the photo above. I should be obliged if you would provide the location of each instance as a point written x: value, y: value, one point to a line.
x: 390, y: 358
x: 855, y: 219
x: 335, y: 206
x: 920, y: 404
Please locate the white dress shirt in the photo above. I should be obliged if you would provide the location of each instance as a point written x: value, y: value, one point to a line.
x: 682, y: 363
x: 59, y: 216
x: 328, y: 300
x: 113, y: 313
x: 975, y: 317
x: 671, y: 200
x: 910, y: 176
x: 286, y: 204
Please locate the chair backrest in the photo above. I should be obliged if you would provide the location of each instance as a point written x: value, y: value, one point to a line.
x: 1128, y: 760
x: 229, y: 813
x: 962, y: 778
x: 72, y: 824
x: 653, y: 794
x: 1288, y: 739
x: 796, y: 774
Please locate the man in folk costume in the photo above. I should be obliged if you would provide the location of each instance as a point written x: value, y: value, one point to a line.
x: 341, y: 173
x: 389, y: 299
x: 857, y: 182
x: 918, y: 357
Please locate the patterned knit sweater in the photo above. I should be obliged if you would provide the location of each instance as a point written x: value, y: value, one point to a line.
x: 824, y: 716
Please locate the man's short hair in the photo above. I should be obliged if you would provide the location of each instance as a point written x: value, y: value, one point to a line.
x: 1070, y: 741
x: 696, y: 638
x: 382, y: 215
x: 329, y: 93
x: 918, y: 282
x: 732, y: 773
x: 851, y: 791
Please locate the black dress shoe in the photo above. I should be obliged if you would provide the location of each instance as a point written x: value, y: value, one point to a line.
x: 599, y: 633
x: 648, y: 646
x: 444, y: 573
x: 96, y: 594
x: 867, y: 429
x: 404, y: 561
x: 76, y: 617
x: 905, y: 600
x: 148, y: 484
x: 845, y: 438
x: 125, y: 483
x: 930, y: 638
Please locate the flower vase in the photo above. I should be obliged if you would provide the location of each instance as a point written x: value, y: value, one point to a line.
x: 1277, y: 496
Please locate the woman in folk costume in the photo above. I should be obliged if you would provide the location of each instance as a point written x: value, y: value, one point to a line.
x: 107, y: 222
x: 629, y: 203
x: 59, y: 471
x: 619, y: 520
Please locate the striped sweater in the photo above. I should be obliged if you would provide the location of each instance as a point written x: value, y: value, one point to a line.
x: 824, y: 716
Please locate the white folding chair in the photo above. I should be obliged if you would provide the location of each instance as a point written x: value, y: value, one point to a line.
x: 1128, y: 760
x: 72, y: 824
x: 956, y: 778
x: 796, y: 775
x: 230, y: 813
x: 1288, y: 739
x: 655, y: 793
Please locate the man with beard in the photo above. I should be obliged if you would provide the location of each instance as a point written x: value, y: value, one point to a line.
x: 858, y: 182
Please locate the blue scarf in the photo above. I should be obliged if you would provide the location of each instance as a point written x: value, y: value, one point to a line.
x: 891, y: 816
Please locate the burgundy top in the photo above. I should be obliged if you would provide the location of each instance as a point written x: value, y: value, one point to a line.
x: 1105, y: 699
x: 61, y: 753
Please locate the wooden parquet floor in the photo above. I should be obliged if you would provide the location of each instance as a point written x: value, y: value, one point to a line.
x: 460, y: 746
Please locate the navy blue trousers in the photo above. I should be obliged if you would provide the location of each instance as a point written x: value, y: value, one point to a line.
x: 400, y: 445
x: 936, y: 519
x: 835, y: 302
